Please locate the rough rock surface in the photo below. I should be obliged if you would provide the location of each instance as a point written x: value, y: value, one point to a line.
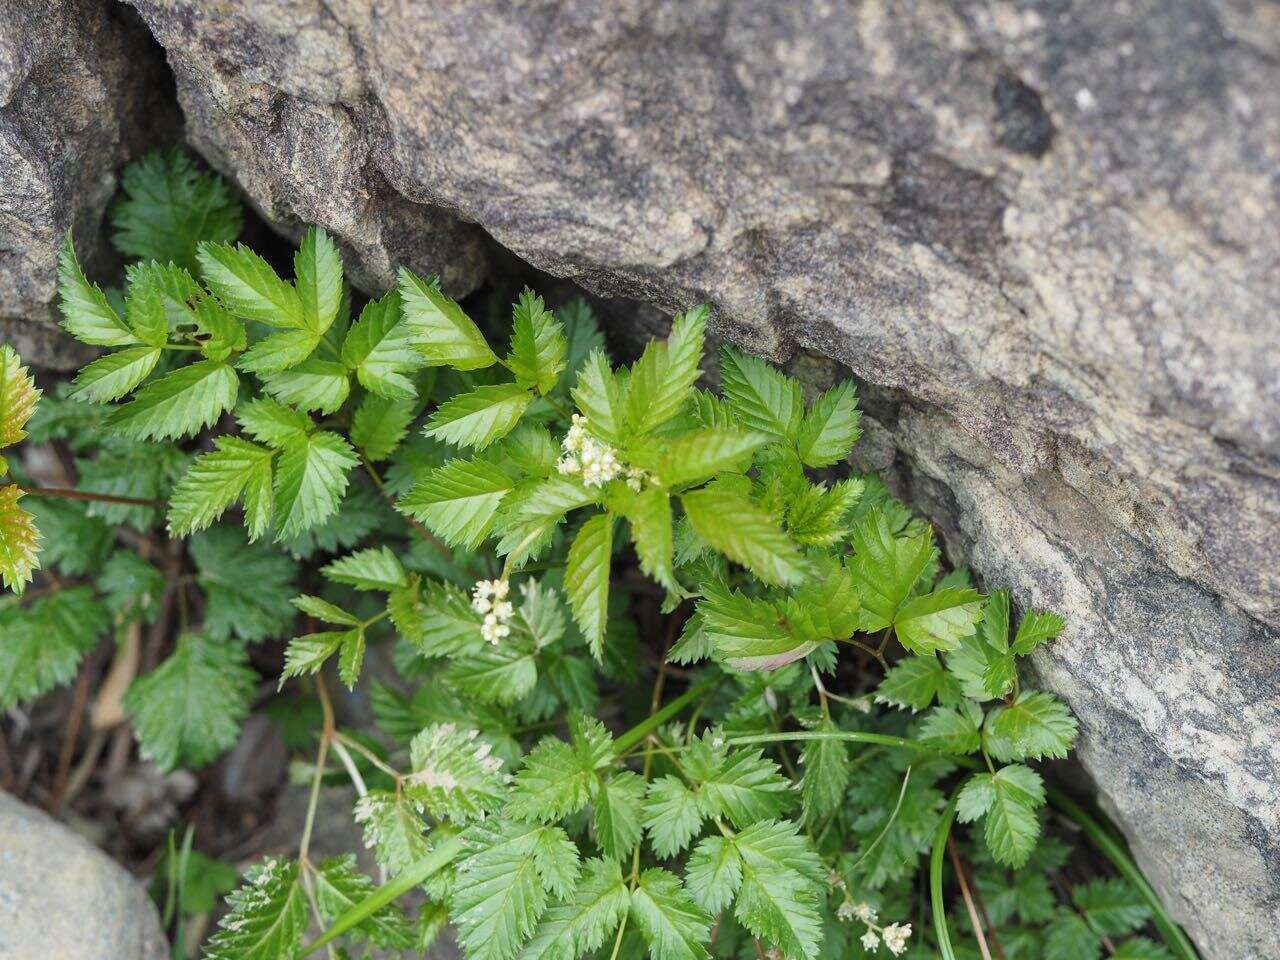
x: 62, y: 897
x: 1042, y: 234
x: 82, y: 89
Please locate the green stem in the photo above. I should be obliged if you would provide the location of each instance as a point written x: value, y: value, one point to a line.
x: 1114, y: 851
x: 636, y: 734
x: 404, y: 881
x: 936, y: 860
x: 881, y: 739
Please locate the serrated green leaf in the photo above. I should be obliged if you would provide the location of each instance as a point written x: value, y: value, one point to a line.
x: 696, y: 455
x: 248, y: 586
x: 267, y: 918
x: 273, y: 423
x: 322, y: 609
x: 311, y: 478
x: 190, y: 708
x: 582, y: 923
x: 1111, y: 905
x: 498, y: 896
x: 745, y: 532
x: 1008, y: 799
x: 380, y: 349
x: 830, y: 428
x: 478, y: 418
x: 314, y: 384
x: 662, y: 378
x: 306, y: 654
x: 377, y: 568
x: 826, y: 774
x: 42, y: 643
x: 18, y: 397
x: 393, y: 828
x: 1035, y: 628
x: 86, y: 313
x: 495, y: 673
x: 586, y: 579
x: 937, y: 620
x: 219, y: 331
x: 178, y: 293
x: 458, y: 501
x: 181, y: 403
x: 749, y: 633
x: 167, y: 206
x: 280, y: 351
x: 339, y: 886
x: 1070, y: 938
x: 443, y: 333
x: 649, y: 514
x: 1036, y: 725
x: 317, y: 270
x: 777, y: 900
x: 673, y: 816
x: 742, y: 785
x: 761, y: 397
x: 673, y: 925
x: 19, y: 540
x: 454, y: 774
x: 248, y: 286
x: 599, y: 395
x: 915, y: 681
x: 111, y: 376
x: 235, y: 469
x: 714, y: 874
x: 531, y: 514
x: 953, y: 729
x: 558, y: 778
x: 538, y: 344
x: 379, y: 424
x: 617, y: 814
x: 440, y: 622
x: 144, y: 312
x: 886, y: 567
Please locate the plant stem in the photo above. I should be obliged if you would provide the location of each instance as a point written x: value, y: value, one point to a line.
x: 404, y: 881
x: 936, y: 860
x: 857, y: 736
x: 67, y: 494
x: 1114, y: 851
x: 974, y: 920
x: 636, y: 734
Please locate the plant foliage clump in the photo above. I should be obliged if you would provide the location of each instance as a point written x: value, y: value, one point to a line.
x: 490, y: 506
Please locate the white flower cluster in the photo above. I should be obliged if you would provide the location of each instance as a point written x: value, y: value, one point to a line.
x: 489, y: 597
x: 895, y: 935
x: 597, y: 463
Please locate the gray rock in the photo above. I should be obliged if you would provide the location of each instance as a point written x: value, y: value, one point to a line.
x: 61, y: 897
x: 1043, y: 235
x: 82, y: 89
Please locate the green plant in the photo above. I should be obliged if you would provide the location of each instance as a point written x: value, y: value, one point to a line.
x: 475, y: 509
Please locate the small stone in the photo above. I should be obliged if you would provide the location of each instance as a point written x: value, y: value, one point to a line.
x: 61, y: 897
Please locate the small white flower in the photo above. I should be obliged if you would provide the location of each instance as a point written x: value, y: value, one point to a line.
x: 896, y: 936
x: 500, y: 589
x: 481, y: 605
x: 870, y: 941
x: 845, y: 910
x: 504, y: 610
x: 568, y: 465
x: 864, y: 912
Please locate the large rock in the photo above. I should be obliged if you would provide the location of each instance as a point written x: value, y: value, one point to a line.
x: 61, y: 897
x: 82, y: 89
x: 1044, y: 235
